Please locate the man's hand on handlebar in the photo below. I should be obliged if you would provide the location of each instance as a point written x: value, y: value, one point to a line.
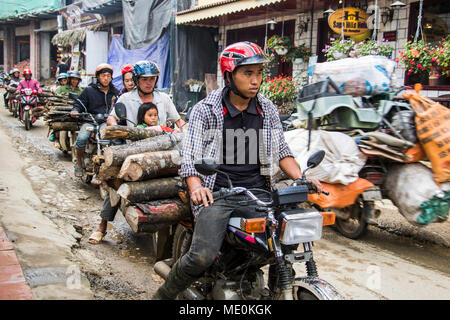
x: 202, y: 195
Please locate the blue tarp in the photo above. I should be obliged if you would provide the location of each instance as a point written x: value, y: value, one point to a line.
x: 157, y: 52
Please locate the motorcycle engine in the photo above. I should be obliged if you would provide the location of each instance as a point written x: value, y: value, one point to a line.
x: 238, y: 290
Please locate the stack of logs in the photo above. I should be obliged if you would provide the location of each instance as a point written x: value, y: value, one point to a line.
x: 141, y: 177
x: 58, y: 108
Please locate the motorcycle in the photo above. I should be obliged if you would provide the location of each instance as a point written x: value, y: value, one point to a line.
x: 94, y: 145
x: 331, y: 110
x: 271, y: 237
x: 28, y: 101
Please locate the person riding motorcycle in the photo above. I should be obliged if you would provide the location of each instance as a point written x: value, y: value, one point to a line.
x: 127, y: 79
x: 225, y: 114
x: 12, y: 80
x: 28, y: 82
x: 61, y: 81
x: 97, y: 98
x: 72, y: 85
x: 145, y: 77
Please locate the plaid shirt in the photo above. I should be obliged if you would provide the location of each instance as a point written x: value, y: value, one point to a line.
x: 204, y: 139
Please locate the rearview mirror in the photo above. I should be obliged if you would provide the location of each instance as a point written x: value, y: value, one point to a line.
x: 315, y: 159
x: 121, y: 111
x: 206, y: 166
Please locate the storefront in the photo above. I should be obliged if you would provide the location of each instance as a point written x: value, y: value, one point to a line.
x: 308, y: 22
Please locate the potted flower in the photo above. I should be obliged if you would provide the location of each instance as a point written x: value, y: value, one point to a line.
x: 420, y: 57
x: 299, y: 54
x: 281, y: 45
x: 372, y: 47
x: 338, y: 49
x: 441, y: 56
x: 282, y: 91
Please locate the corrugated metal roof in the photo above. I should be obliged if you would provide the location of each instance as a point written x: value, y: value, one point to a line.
x: 219, y: 8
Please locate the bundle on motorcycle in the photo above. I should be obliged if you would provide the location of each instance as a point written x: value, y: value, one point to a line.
x: 142, y: 177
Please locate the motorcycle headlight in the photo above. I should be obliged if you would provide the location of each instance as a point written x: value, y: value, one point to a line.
x: 301, y: 227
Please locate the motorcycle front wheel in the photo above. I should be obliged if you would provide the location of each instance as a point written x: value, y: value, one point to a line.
x: 181, y: 241
x: 27, y: 120
x: 307, y: 288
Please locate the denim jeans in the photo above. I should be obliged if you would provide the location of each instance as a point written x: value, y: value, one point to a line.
x: 83, y: 134
x: 209, y: 232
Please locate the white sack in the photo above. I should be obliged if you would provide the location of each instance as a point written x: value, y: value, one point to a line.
x: 372, y: 72
x: 409, y: 185
x: 342, y: 161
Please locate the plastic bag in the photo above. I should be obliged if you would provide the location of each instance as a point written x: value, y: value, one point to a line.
x: 342, y: 161
x: 369, y: 75
x: 433, y: 130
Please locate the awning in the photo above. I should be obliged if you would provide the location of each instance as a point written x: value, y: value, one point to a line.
x: 219, y: 8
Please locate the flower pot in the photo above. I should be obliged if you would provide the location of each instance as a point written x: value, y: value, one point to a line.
x: 433, y: 81
x: 281, y: 51
x: 339, y: 55
x: 298, y: 61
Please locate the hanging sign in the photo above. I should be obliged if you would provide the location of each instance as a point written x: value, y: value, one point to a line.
x: 351, y: 21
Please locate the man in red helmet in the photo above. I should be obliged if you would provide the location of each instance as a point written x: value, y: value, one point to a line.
x: 28, y: 82
x: 235, y: 113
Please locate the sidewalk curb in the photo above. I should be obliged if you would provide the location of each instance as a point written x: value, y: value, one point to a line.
x: 13, y: 285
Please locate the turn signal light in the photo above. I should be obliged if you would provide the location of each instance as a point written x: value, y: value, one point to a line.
x: 328, y: 218
x: 255, y: 225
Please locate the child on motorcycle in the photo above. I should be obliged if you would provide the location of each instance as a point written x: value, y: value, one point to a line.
x: 147, y: 117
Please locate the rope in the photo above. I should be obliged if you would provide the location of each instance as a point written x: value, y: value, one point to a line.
x: 419, y: 22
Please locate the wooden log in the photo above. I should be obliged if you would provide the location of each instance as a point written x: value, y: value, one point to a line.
x: 130, y: 133
x: 150, y: 165
x: 67, y: 126
x: 107, y: 173
x: 114, y: 198
x: 116, y: 155
x: 148, y: 190
x: 154, y: 216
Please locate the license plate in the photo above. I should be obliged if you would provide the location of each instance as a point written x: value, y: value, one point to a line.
x: 372, y: 195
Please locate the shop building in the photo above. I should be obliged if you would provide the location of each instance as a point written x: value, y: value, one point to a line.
x: 307, y: 22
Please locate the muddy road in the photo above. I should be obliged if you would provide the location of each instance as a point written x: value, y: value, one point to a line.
x: 392, y: 261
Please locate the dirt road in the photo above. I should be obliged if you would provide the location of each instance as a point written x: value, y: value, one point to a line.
x: 393, y: 261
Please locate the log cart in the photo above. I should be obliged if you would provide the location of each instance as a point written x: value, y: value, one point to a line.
x: 141, y: 178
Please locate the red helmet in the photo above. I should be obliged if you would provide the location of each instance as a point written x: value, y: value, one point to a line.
x: 27, y: 71
x: 127, y: 68
x: 240, y: 54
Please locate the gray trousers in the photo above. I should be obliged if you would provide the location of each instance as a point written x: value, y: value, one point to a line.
x: 209, y: 232
x: 108, y: 212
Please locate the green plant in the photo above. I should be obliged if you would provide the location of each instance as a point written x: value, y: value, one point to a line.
x: 300, y: 51
x: 441, y: 56
x: 349, y: 48
x: 281, y: 90
x: 277, y: 41
x: 419, y: 57
x: 338, y: 48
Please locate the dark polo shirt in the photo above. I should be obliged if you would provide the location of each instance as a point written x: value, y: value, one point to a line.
x: 241, y: 142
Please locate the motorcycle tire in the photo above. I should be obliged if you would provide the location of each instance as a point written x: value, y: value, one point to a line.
x: 181, y: 241
x: 27, y: 121
x: 307, y: 288
x: 14, y: 111
x: 355, y: 227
